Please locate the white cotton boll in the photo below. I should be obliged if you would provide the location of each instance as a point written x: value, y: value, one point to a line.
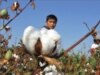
x: 93, y: 71
x: 30, y: 38
x: 46, y: 69
x: 42, y: 64
x: 32, y: 41
x: 58, y: 48
x: 88, y: 64
x: 50, y: 70
x: 27, y: 33
x: 47, y: 44
x: 56, y: 38
x: 48, y: 39
x: 43, y: 31
x: 53, y: 67
x: 51, y: 73
x: 85, y: 70
x: 53, y: 35
x: 16, y: 56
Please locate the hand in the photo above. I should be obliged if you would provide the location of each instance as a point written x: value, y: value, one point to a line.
x: 94, y: 33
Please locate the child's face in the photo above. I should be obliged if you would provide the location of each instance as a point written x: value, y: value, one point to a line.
x: 51, y: 23
x: 98, y: 41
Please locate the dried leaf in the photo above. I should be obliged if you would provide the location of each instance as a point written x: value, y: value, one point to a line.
x: 1, y: 38
x: 15, y: 6
x: 5, y: 43
x: 33, y: 5
x: 7, y: 28
x: 9, y: 37
x: 3, y: 61
x: 53, y: 61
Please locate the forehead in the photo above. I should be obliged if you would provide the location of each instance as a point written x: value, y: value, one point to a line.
x: 99, y: 40
x: 52, y: 20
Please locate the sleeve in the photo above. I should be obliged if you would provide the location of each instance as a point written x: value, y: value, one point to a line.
x: 94, y: 46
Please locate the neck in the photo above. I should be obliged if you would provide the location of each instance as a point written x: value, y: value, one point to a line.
x: 47, y: 27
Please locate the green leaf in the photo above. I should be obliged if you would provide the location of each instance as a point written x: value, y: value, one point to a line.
x: 8, y: 54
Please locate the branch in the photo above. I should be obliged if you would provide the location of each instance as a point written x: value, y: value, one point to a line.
x: 16, y: 15
x: 80, y: 40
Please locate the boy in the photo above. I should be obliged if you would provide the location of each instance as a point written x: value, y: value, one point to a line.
x: 96, y: 42
x: 51, y: 22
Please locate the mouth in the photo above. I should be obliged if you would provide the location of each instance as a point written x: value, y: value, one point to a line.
x: 52, y: 27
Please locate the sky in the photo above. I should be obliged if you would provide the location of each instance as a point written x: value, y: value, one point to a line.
x: 71, y: 16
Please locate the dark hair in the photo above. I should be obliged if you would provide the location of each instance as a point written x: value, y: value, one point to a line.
x: 95, y: 40
x: 51, y: 16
